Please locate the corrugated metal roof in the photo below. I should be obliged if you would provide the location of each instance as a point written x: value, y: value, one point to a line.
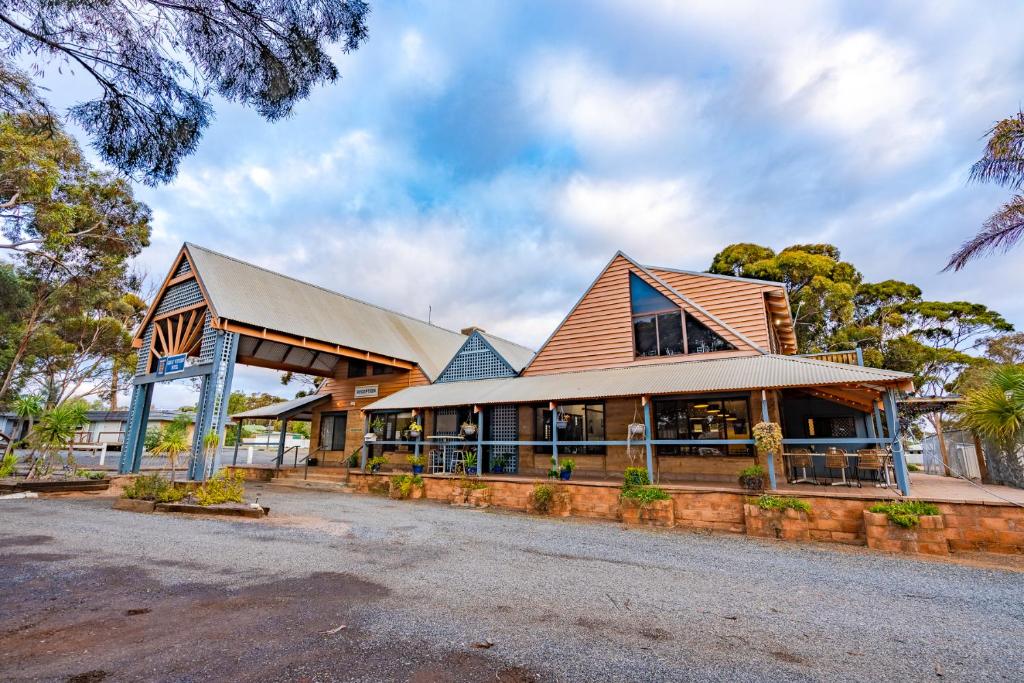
x: 517, y: 356
x: 696, y: 376
x: 276, y: 410
x: 246, y: 293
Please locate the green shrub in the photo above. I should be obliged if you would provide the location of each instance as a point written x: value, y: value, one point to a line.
x: 635, y: 476
x: 153, y: 487
x: 645, y: 495
x: 541, y: 497
x: 906, y: 513
x: 223, y: 487
x: 90, y: 474
x: 7, y: 465
x: 752, y: 472
x: 405, y: 483
x: 767, y: 502
x: 913, y: 467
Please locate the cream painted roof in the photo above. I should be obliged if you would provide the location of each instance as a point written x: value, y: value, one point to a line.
x: 246, y: 293
x: 745, y: 373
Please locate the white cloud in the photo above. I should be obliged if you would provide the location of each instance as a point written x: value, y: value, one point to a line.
x: 567, y: 94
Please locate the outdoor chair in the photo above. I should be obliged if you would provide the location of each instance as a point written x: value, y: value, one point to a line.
x: 436, y: 460
x: 836, y: 459
x: 869, y: 460
x: 800, y: 459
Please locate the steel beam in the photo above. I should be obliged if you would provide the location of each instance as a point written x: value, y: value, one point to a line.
x: 899, y: 462
x: 647, y: 440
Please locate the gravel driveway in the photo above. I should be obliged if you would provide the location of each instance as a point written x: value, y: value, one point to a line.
x: 430, y: 593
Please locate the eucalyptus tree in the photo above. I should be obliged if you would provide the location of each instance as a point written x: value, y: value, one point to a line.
x: 157, y: 64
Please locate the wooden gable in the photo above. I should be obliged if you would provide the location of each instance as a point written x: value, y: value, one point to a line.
x: 598, y: 332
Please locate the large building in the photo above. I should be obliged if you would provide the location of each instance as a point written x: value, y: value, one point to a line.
x: 652, y: 366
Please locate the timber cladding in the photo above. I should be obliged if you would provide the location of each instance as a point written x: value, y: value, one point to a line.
x: 343, y: 399
x: 598, y: 332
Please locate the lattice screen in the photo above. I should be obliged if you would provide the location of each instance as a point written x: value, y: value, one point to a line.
x: 142, y: 364
x: 504, y: 423
x: 209, y: 343
x: 475, y: 360
x: 179, y: 296
x: 183, y: 267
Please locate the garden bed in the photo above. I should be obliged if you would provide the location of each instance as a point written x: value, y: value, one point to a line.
x: 221, y: 509
x: 659, y: 513
x: 15, y: 485
x: 927, y: 537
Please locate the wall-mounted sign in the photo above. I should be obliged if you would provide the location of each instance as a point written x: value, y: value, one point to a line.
x: 367, y: 391
x: 169, y: 365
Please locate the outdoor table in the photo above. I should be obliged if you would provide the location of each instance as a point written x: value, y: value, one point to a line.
x: 886, y: 465
x: 446, y: 443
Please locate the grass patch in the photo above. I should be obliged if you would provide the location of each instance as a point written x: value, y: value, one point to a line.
x: 781, y: 503
x: 906, y: 513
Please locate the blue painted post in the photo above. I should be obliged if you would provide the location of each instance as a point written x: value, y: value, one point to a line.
x: 647, y: 439
x: 225, y: 397
x: 554, y: 434
x: 362, y: 451
x: 238, y: 440
x: 197, y: 468
x: 479, y: 441
x: 899, y: 462
x: 878, y: 419
x: 416, y: 445
x: 131, y: 431
x: 860, y: 356
x: 140, y: 440
x: 771, y: 456
x: 280, y: 443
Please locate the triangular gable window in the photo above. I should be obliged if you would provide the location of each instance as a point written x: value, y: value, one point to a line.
x: 701, y: 339
x: 658, y: 325
x: 657, y: 322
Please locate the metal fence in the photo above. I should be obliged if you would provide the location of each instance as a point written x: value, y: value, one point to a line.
x: 1005, y: 466
x: 963, y: 458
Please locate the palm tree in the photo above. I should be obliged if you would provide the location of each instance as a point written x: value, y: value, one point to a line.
x: 995, y: 411
x: 28, y: 408
x: 54, y: 432
x: 172, y: 442
x: 1003, y: 164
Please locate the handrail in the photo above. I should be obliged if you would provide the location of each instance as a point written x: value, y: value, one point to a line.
x: 305, y: 471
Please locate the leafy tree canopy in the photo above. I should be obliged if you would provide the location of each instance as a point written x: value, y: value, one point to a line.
x: 156, y: 65
x: 834, y: 309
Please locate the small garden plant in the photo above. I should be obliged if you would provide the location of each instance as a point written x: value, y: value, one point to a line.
x: 636, y: 487
x: 781, y: 503
x: 7, y: 465
x: 905, y: 513
x: 542, y: 497
x: 404, y: 484
x: 376, y: 462
x: 223, y: 487
x: 90, y: 474
x: 752, y: 478
x: 153, y: 487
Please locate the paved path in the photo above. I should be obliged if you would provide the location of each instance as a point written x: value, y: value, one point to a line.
x: 416, y: 584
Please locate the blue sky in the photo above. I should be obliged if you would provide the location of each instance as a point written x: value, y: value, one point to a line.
x: 487, y: 158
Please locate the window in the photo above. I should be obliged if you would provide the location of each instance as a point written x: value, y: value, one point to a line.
x: 332, y: 431
x: 448, y: 421
x: 696, y: 419
x: 700, y: 338
x: 839, y: 427
x: 383, y: 370
x: 395, y: 424
x: 357, y: 368
x: 657, y: 322
x: 583, y: 422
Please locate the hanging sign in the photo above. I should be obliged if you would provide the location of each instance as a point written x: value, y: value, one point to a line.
x: 367, y: 391
x: 169, y: 365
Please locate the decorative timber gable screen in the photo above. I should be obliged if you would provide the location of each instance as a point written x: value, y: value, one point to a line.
x: 477, y: 359
x: 180, y: 323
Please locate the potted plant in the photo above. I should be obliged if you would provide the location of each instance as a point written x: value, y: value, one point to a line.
x: 498, y: 464
x: 636, y: 430
x: 414, y: 431
x: 417, y: 462
x: 562, y: 421
x: 468, y: 428
x: 768, y: 437
x: 554, y: 472
x: 469, y: 464
x: 375, y: 462
x: 752, y: 478
x: 565, y: 469
x: 377, y: 426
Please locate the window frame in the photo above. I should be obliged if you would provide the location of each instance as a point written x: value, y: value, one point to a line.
x: 333, y: 417
x: 742, y: 450
x: 541, y: 425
